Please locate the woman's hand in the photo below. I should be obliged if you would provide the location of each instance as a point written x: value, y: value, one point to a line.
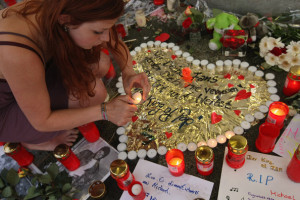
x: 136, y: 81
x: 120, y: 110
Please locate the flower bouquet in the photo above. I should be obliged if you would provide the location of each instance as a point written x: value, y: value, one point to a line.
x: 276, y: 53
x: 191, y: 18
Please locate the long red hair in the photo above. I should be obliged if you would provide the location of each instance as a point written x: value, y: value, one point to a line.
x: 72, y: 60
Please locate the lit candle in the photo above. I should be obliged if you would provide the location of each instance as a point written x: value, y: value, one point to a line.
x: 229, y: 134
x: 175, y: 161
x: 136, y: 191
x: 201, y: 143
x: 277, y: 113
x: 221, y: 139
x: 292, y: 82
x: 137, y: 97
x: 192, y: 146
x: 212, y: 143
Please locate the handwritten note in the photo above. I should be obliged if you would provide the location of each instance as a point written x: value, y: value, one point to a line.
x: 263, y: 176
x: 290, y: 139
x: 159, y: 184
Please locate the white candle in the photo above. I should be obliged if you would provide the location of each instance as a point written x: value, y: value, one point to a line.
x: 268, y: 103
x: 157, y: 43
x: 227, y: 65
x: 274, y: 97
x: 259, y: 115
x: 211, y: 68
x: 151, y: 153
x: 138, y: 49
x: 259, y: 74
x: 269, y: 76
x: 245, y: 125
x: 192, y: 146
x: 120, y: 79
x: 121, y: 90
x: 212, y: 143
x: 182, y: 147
x: 136, y: 189
x: 249, y: 118
x: 244, y: 66
x: 175, y: 48
x: 119, y: 85
x: 219, y: 65
x: 122, y: 155
x: 189, y: 59
x: 137, y: 97
x: 221, y: 139
x: 272, y: 90
x: 143, y: 45
x: 263, y: 109
x: 186, y: 54
x: 142, y: 153
x: 178, y: 53
x: 163, y: 45
x: 123, y: 138
x: 133, y: 53
x: 150, y: 44
x: 196, y: 63
x: 132, y: 155
x: 271, y: 83
x: 201, y: 143
x: 171, y: 45
x: 204, y: 63
x: 229, y: 134
x: 252, y: 70
x: 121, y: 147
x: 162, y: 150
x: 236, y: 63
x: 238, y: 130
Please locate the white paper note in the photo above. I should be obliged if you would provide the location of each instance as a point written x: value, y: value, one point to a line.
x: 159, y: 184
x: 263, y: 176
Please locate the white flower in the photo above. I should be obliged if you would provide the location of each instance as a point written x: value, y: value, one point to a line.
x: 293, y: 48
x: 272, y: 42
x: 263, y: 47
x: 271, y: 59
x: 285, y: 65
x: 295, y: 60
x: 283, y: 57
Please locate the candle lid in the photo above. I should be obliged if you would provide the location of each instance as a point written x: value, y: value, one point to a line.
x: 294, y: 73
x: 118, y: 168
x: 11, y: 147
x: 97, y: 189
x: 238, y: 144
x: 204, y: 154
x: 61, y: 151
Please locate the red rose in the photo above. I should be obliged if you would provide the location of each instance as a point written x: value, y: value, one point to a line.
x: 276, y: 51
x: 187, y: 22
x: 121, y: 30
x: 283, y: 50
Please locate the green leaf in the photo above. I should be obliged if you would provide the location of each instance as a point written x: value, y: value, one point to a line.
x: 3, y: 174
x: 53, y: 170
x: 45, y: 179
x: 64, y: 197
x: 7, y: 191
x: 32, y: 193
x: 66, y: 188
x: 52, y: 197
x: 12, y: 177
x: 34, y: 181
x: 1, y: 183
x: 266, y: 65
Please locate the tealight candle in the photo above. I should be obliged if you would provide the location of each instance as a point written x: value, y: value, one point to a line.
x: 268, y: 103
x: 263, y: 109
x: 150, y: 44
x: 271, y: 83
x: 212, y: 143
x: 151, y: 153
x: 274, y: 97
x: 192, y: 146
x: 236, y: 63
x: 133, y: 53
x: 136, y: 191
x: 186, y: 54
x: 277, y: 113
x: 204, y: 63
x: 138, y: 49
x: 269, y: 76
x: 163, y: 45
x: 272, y: 90
x: 121, y: 90
x: 229, y: 134
x: 142, y: 153
x: 157, y: 43
x: 123, y: 138
x: 171, y: 45
x: 119, y: 85
x: 121, y: 147
x: 245, y: 125
x: 182, y: 147
x: 175, y: 161
x: 196, y: 63
x: 259, y: 74
x: 122, y: 155
x: 175, y: 48
x: 211, y: 68
x: 120, y: 130
x: 252, y: 70
x: 132, y: 155
x: 137, y: 97
x: 259, y: 115
x: 162, y: 150
x: 178, y: 53
x: 144, y: 46
x: 189, y: 59
x: 249, y: 118
x: 221, y: 139
x: 244, y: 65
x: 238, y: 130
x: 201, y: 143
x: 120, y: 79
x: 292, y: 81
x: 219, y: 66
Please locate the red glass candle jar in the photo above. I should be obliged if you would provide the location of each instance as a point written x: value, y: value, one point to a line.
x: 158, y: 2
x: 119, y: 170
x: 136, y: 190
x: 237, y: 149
x: 277, y: 113
x: 175, y: 161
x: 18, y: 153
x: 97, y: 190
x: 204, y: 160
x: 10, y: 2
x: 90, y: 132
x: 266, y: 139
x: 292, y: 81
x: 293, y: 168
x: 65, y: 155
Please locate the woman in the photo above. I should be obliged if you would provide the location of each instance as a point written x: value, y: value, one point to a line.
x: 50, y: 70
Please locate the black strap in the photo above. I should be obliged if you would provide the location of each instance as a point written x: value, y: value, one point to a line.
x: 18, y: 34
